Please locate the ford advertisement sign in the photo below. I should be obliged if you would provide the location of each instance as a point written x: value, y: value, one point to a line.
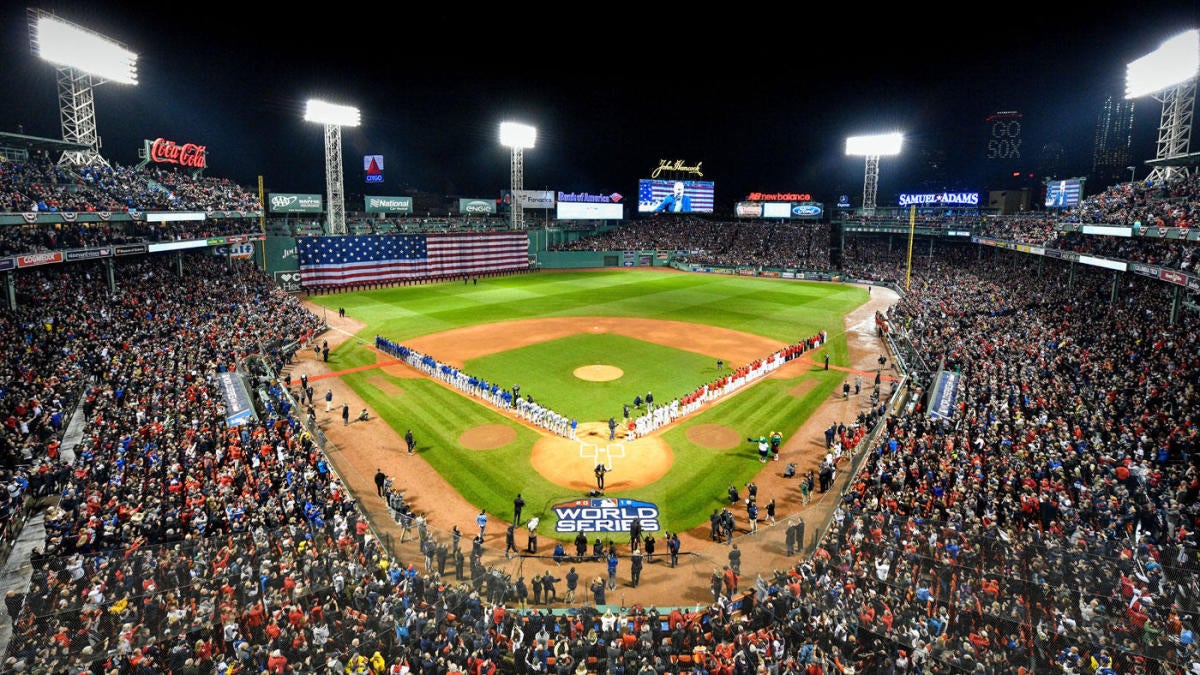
x: 807, y: 210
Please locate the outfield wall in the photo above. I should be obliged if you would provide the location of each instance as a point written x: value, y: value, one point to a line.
x: 594, y: 259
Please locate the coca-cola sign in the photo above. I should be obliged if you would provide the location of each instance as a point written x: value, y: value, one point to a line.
x: 190, y: 155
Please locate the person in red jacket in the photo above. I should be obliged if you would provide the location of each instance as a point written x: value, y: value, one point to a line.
x: 980, y: 641
x: 277, y: 663
x: 481, y: 665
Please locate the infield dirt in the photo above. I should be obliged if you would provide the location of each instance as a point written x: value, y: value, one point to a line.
x: 364, y: 447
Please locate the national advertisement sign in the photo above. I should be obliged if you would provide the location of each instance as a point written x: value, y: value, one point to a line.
x: 388, y: 204
x: 605, y: 514
x: 7, y: 264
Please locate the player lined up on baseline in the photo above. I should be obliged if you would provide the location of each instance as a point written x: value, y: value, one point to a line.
x: 658, y: 417
x: 504, y: 399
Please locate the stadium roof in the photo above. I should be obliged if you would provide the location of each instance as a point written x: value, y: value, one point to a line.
x: 1190, y: 159
x: 18, y: 146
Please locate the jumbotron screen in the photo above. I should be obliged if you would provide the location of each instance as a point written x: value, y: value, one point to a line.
x: 675, y: 196
x: 1062, y: 194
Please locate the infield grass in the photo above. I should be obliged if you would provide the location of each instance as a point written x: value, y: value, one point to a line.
x: 783, y: 310
x: 547, y: 370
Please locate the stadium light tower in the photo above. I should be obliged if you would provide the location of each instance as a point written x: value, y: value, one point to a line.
x: 84, y: 59
x: 873, y: 147
x: 334, y: 117
x: 518, y: 137
x: 1169, y: 75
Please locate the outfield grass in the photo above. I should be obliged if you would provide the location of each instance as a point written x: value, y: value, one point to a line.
x: 783, y: 310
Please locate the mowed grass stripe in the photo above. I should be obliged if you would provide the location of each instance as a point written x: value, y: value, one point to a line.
x: 783, y: 310
x: 774, y: 308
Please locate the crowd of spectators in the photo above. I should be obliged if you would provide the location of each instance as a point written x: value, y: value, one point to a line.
x: 1058, y: 512
x: 39, y: 185
x: 716, y: 242
x: 1148, y: 209
x: 1048, y: 527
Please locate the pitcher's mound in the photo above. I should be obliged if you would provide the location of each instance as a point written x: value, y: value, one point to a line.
x: 598, y: 373
x: 487, y: 437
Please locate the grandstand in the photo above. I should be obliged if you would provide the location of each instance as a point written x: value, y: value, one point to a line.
x: 1045, y: 523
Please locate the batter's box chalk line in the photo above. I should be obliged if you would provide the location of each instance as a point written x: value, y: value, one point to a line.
x: 593, y: 452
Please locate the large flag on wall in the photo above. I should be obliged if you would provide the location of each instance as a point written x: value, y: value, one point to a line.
x: 342, y: 261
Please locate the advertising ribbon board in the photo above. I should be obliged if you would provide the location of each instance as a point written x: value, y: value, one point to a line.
x: 238, y: 410
x: 944, y: 396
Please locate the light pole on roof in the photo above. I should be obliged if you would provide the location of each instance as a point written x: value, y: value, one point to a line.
x: 84, y: 59
x: 517, y: 136
x: 873, y: 147
x: 1169, y: 75
x: 333, y: 117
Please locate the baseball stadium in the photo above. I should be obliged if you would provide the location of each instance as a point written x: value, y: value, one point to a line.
x: 267, y: 433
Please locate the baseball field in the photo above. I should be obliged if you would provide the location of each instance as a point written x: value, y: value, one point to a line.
x: 585, y: 344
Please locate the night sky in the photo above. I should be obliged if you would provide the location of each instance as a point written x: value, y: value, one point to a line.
x: 762, y: 98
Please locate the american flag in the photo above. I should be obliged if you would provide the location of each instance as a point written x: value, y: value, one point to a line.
x: 342, y: 261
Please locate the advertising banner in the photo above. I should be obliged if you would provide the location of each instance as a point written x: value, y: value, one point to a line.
x: 534, y: 199
x: 288, y: 281
x: 476, y: 206
x: 1173, y: 277
x: 373, y: 168
x: 748, y: 209
x: 281, y: 202
x: 88, y: 254
x: 812, y: 210
x: 588, y: 211
x: 940, y: 199
x: 238, y: 410
x: 1144, y: 270
x: 777, y: 210
x: 163, y: 151
x: 388, y: 204
x: 943, y: 396
x: 35, y: 259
